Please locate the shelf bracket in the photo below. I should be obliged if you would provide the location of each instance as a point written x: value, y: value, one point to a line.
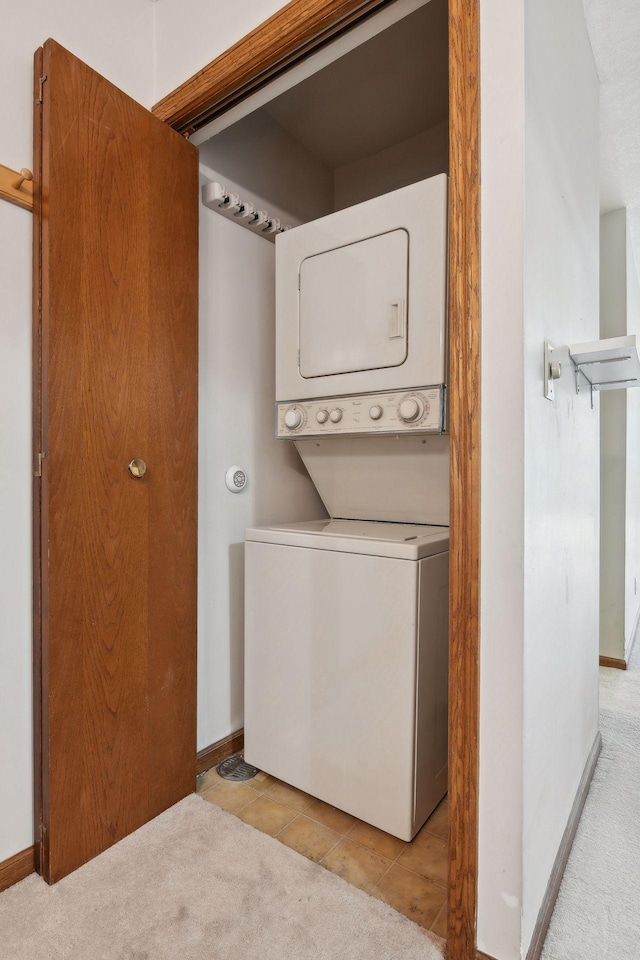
x: 592, y: 387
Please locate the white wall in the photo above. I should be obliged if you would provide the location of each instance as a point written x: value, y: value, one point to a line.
x: 540, y: 460
x: 237, y: 394
x: 236, y: 426
x: 562, y: 455
x: 632, y: 500
x: 190, y: 35
x: 613, y: 489
x: 502, y: 478
x: 263, y: 163
x: 613, y: 440
x: 418, y: 157
x: 267, y: 165
x: 619, y: 448
x: 116, y: 39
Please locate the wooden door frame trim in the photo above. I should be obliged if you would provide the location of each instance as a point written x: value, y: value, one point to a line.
x: 616, y: 662
x: 17, y: 868
x: 464, y: 407
x: 290, y: 35
x: 212, y: 755
x: 37, y: 462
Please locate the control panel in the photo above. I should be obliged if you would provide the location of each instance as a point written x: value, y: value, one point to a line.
x: 420, y: 410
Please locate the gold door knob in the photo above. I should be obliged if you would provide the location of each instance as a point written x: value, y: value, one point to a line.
x: 137, y: 468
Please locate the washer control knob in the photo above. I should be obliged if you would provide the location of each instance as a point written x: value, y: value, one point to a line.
x: 411, y: 409
x: 376, y: 412
x: 293, y: 418
x: 336, y: 415
x: 322, y: 416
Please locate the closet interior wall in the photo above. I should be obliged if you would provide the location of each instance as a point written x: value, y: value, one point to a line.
x: 371, y: 122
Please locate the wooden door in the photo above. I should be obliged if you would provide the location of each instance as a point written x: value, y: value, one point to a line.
x: 115, y: 379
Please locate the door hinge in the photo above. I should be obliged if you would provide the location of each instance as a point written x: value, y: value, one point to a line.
x: 41, y: 457
x: 39, y: 98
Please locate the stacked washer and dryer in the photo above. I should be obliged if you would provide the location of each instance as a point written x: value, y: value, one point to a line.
x: 346, y: 621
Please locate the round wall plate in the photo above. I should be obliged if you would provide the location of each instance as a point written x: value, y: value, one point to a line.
x: 235, y: 479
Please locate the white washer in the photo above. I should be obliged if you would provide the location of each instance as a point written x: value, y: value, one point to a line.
x: 346, y: 665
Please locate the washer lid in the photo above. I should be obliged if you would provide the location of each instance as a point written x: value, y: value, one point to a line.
x: 403, y: 541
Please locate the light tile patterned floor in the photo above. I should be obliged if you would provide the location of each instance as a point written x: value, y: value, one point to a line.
x: 410, y: 877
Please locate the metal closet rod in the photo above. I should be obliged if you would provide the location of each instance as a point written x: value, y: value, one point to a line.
x: 216, y: 197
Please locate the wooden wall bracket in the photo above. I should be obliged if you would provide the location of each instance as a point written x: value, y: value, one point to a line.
x: 17, y: 187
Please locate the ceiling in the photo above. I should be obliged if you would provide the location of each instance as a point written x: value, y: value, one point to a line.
x: 614, y: 31
x: 384, y: 91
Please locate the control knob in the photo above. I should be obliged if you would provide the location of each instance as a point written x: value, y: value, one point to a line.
x: 336, y: 415
x: 322, y: 416
x: 375, y: 412
x: 411, y: 409
x: 293, y: 418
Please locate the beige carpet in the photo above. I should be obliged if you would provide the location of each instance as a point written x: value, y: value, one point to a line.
x: 597, y: 914
x: 198, y: 883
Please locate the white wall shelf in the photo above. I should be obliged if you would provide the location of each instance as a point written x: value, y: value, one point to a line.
x: 611, y: 364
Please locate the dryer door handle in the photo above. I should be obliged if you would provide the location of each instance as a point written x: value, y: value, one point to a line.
x: 397, y: 320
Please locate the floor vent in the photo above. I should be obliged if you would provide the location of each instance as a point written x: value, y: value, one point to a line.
x: 235, y: 768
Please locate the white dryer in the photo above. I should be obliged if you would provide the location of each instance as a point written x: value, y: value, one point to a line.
x: 361, y: 299
x: 346, y: 665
